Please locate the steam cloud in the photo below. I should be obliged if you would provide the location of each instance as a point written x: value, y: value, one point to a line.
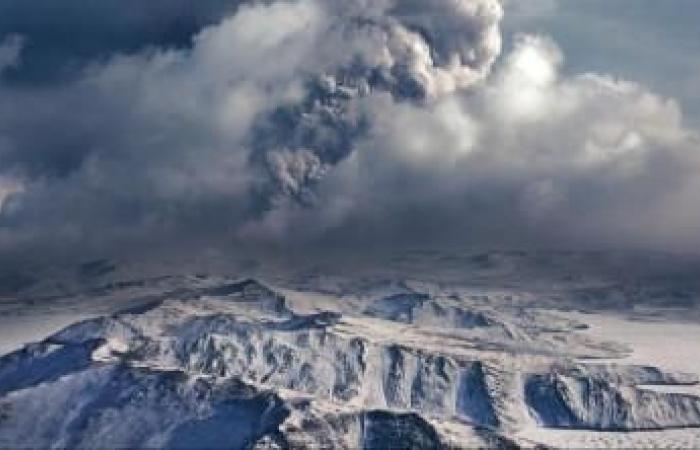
x: 329, y: 124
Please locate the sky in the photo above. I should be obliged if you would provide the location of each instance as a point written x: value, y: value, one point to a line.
x: 315, y: 126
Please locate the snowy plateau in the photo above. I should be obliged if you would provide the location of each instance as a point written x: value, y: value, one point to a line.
x: 425, y: 350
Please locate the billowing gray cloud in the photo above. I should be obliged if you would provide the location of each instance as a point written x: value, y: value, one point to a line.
x: 313, y: 125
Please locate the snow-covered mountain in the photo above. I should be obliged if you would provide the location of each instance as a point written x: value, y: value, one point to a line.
x: 482, y: 350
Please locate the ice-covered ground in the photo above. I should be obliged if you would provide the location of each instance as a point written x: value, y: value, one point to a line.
x: 671, y: 345
x: 488, y: 350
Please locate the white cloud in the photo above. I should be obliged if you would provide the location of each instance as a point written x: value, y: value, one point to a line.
x: 10, y: 51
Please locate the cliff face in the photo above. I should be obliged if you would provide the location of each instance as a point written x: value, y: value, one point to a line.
x: 592, y: 402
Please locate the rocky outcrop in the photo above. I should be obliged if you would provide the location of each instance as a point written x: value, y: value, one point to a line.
x: 115, y: 406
